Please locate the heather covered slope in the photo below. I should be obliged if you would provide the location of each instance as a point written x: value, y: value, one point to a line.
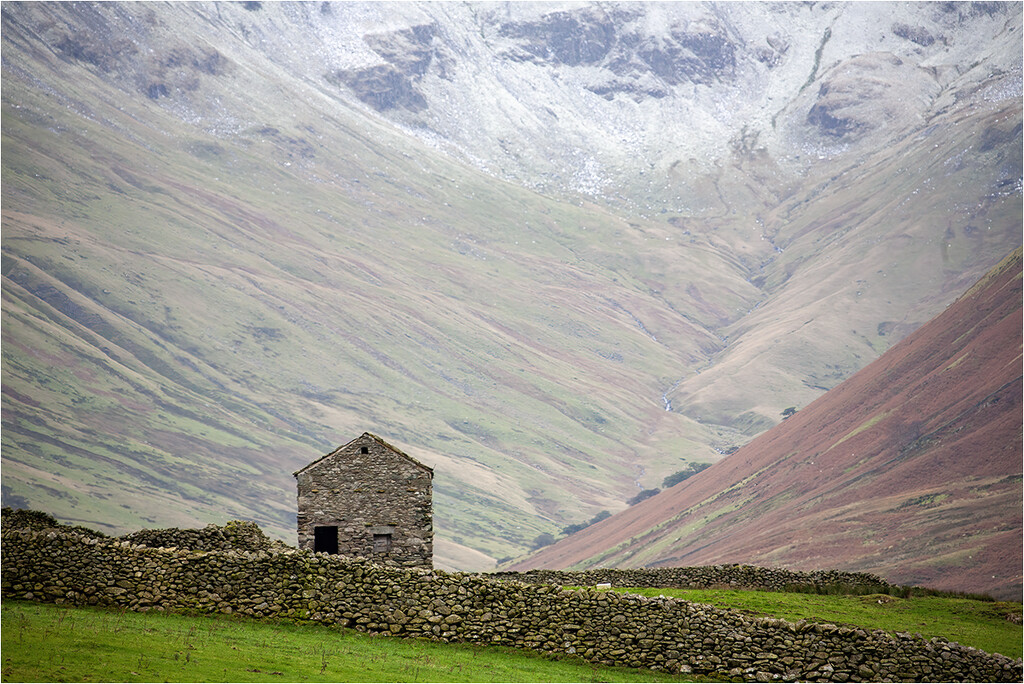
x: 910, y: 469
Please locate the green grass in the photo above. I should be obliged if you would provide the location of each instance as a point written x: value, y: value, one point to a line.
x: 981, y: 624
x: 46, y: 643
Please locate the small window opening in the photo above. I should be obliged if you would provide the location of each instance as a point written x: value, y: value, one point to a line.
x: 381, y: 543
x: 364, y: 450
x: 325, y: 539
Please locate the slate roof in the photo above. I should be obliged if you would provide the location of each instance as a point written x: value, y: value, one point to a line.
x: 377, y: 439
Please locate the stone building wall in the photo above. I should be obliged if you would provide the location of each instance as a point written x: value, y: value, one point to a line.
x: 369, y: 499
x: 671, y: 635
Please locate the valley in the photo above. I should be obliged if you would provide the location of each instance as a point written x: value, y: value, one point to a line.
x: 557, y: 252
x: 909, y: 469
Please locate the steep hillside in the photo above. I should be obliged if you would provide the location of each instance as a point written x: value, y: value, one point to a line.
x: 910, y: 469
x: 553, y: 251
x: 192, y: 313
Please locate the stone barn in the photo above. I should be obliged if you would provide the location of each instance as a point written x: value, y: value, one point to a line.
x: 370, y: 499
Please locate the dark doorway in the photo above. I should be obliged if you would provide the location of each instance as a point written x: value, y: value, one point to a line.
x: 325, y: 539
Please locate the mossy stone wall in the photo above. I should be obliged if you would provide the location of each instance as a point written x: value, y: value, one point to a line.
x: 604, y: 627
x: 730, y: 576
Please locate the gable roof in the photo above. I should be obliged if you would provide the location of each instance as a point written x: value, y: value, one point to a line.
x: 368, y: 435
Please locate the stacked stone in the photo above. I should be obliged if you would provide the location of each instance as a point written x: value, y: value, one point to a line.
x: 604, y: 627
x: 38, y: 520
x: 236, y: 535
x: 703, y: 577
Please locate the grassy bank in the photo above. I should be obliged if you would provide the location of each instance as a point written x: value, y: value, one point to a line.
x: 981, y: 624
x: 46, y: 643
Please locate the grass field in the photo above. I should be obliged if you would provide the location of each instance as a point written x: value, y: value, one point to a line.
x: 981, y: 624
x: 43, y: 642
x: 46, y: 643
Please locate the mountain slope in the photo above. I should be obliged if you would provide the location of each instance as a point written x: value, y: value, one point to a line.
x: 196, y: 315
x: 910, y: 469
x: 237, y: 234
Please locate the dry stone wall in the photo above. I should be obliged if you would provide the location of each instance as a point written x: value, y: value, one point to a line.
x: 703, y: 577
x: 38, y: 520
x: 236, y: 535
x: 603, y: 627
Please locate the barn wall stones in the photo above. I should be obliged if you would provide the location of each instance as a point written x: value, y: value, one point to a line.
x: 602, y: 627
x: 367, y: 499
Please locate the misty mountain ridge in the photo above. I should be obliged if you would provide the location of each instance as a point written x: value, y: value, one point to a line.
x: 556, y: 251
